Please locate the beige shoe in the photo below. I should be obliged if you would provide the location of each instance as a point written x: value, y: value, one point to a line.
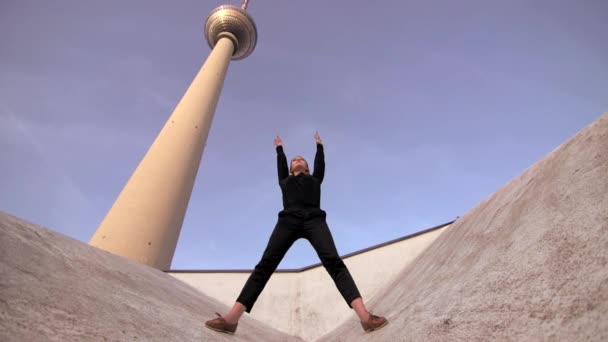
x: 220, y: 324
x: 373, y: 323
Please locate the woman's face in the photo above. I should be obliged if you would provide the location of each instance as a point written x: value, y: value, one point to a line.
x: 299, y: 164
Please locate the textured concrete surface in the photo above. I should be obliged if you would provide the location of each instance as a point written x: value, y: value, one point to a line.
x: 307, y: 304
x: 530, y: 263
x: 54, y: 288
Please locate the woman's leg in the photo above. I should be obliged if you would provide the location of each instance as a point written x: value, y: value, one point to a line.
x: 235, y: 313
x: 318, y: 234
x: 281, y: 239
x: 360, y: 309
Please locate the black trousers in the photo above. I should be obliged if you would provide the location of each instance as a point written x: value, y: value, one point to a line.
x: 287, y: 230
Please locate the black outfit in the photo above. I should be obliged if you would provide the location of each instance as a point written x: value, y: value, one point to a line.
x: 301, y: 217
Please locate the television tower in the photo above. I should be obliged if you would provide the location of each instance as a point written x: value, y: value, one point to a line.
x: 145, y: 221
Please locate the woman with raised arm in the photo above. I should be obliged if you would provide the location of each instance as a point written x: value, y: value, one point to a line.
x: 301, y: 217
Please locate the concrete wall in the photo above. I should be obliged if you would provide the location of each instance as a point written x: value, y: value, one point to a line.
x: 307, y: 304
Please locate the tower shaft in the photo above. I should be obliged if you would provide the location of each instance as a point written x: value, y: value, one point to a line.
x: 145, y: 221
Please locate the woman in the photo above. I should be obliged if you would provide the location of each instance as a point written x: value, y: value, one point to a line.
x: 301, y: 217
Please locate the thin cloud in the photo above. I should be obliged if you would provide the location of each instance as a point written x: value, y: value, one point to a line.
x: 21, y: 131
x: 158, y: 98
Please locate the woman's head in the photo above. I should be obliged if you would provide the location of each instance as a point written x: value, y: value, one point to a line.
x: 299, y: 165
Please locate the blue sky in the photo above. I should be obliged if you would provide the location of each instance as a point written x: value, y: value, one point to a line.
x: 425, y: 107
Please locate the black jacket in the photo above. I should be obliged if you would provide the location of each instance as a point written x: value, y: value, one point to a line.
x: 301, y: 193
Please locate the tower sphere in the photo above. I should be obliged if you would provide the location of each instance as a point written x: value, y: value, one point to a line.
x: 235, y: 23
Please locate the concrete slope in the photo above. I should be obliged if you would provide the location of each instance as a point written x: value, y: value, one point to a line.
x: 54, y: 288
x: 530, y: 263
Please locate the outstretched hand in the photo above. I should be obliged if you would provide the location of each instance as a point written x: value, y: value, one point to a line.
x: 278, y: 141
x: 318, y: 138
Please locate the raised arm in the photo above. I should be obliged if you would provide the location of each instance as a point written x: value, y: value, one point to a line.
x: 319, y: 170
x: 282, y: 168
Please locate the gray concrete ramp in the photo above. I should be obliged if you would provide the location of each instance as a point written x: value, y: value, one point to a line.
x: 530, y: 263
x: 54, y: 288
